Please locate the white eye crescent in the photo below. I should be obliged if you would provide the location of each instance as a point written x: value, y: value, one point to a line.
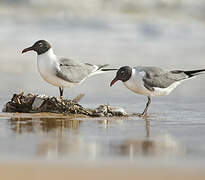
x: 41, y: 44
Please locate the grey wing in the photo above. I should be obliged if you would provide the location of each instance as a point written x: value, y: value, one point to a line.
x: 74, y: 71
x: 156, y: 77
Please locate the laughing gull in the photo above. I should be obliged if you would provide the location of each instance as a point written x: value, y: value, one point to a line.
x: 152, y: 81
x: 62, y: 72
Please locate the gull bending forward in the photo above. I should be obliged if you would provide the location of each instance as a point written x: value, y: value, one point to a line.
x: 152, y: 81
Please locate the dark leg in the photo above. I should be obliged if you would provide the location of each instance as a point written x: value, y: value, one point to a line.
x: 61, y: 91
x: 146, y: 108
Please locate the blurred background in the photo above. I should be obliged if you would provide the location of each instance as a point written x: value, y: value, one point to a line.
x: 165, y: 33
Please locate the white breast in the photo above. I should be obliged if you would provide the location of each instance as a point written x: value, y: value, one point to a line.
x: 47, y: 66
x: 136, y: 84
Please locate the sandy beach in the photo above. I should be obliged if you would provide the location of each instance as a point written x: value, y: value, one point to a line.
x: 53, y: 171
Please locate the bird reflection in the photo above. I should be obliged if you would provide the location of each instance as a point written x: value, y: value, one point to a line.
x: 162, y: 145
x: 147, y: 127
x: 165, y: 146
x: 67, y: 137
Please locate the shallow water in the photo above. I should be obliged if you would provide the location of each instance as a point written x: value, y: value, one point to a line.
x: 169, y: 134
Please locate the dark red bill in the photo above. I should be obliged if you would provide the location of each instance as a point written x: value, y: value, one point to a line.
x: 27, y: 49
x: 114, y: 81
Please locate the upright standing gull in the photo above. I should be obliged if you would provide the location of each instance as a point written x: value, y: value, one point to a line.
x: 152, y: 81
x: 62, y: 72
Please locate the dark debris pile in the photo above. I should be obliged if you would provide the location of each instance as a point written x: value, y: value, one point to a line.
x: 41, y: 103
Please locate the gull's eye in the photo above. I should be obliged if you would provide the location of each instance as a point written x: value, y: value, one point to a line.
x: 122, y: 72
x: 40, y: 44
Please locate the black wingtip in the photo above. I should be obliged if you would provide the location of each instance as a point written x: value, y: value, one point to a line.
x: 194, y: 72
x: 109, y: 69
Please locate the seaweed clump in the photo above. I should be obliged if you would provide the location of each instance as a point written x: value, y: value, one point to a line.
x: 41, y: 103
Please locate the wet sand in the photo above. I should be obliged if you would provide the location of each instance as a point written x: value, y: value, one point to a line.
x: 40, y: 171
